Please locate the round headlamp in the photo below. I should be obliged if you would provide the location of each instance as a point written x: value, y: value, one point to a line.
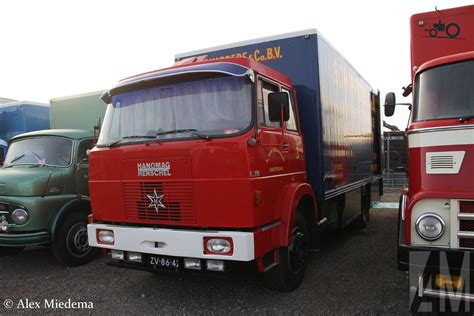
x: 218, y: 245
x: 430, y: 226
x: 19, y: 216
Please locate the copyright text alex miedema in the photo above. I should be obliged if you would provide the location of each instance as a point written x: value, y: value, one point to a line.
x: 46, y: 304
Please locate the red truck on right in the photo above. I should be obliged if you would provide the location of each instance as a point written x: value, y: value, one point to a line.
x: 436, y: 214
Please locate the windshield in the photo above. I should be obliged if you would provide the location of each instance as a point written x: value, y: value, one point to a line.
x: 445, y: 92
x: 41, y: 151
x: 203, y: 108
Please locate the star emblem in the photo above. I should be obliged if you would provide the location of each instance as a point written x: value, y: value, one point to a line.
x: 156, y: 201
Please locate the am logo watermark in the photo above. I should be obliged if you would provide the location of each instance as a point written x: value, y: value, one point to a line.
x: 440, y: 282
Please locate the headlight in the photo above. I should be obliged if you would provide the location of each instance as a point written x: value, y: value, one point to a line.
x: 105, y: 236
x: 430, y: 226
x: 3, y: 225
x: 20, y: 216
x: 218, y: 245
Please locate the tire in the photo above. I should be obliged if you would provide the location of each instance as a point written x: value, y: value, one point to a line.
x: 289, y: 273
x: 400, y: 267
x: 70, y: 245
x: 4, y: 251
x: 455, y: 28
x: 433, y: 32
x: 365, y: 209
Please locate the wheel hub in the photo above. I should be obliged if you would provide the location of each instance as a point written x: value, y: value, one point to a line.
x: 297, y: 250
x: 77, y: 242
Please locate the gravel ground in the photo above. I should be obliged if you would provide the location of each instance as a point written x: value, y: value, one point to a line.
x: 354, y: 273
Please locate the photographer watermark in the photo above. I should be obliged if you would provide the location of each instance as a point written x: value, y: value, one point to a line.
x: 440, y: 282
x: 46, y: 304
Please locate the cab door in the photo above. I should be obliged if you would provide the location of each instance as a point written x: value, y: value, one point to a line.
x: 281, y: 143
x: 82, y: 167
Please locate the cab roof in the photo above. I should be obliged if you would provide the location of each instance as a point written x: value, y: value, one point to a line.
x: 446, y: 60
x: 68, y: 133
x: 231, y: 66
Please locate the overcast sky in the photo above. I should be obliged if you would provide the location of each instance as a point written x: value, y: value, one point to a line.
x: 56, y: 48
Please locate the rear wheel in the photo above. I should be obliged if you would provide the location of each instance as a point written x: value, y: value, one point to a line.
x: 453, y: 30
x: 289, y: 273
x: 70, y: 245
x: 365, y: 208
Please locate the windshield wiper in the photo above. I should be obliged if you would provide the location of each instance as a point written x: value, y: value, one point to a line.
x: 466, y: 118
x: 130, y: 137
x: 190, y: 131
x: 41, y: 161
x: 138, y: 136
x: 15, y: 159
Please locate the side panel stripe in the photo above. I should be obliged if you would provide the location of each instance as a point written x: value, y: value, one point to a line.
x: 441, y: 138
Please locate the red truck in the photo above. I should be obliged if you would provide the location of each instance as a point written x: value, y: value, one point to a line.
x: 436, y: 216
x: 235, y: 154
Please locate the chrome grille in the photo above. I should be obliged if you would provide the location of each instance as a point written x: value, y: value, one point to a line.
x: 176, y: 197
x: 466, y: 224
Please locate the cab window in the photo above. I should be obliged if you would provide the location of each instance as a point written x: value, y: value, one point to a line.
x: 265, y: 88
x: 82, y: 151
x: 291, y: 123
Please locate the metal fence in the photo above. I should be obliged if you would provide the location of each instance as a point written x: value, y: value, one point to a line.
x: 395, y: 154
x: 395, y: 179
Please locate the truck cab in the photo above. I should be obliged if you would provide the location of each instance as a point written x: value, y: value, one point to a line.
x: 436, y: 231
x: 203, y: 165
x: 44, y: 194
x: 197, y: 158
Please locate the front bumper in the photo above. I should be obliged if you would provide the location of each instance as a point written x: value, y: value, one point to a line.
x: 432, y: 259
x: 425, y: 263
x: 423, y: 290
x: 173, y: 242
x: 29, y: 239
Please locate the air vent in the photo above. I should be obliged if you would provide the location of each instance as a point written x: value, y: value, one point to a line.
x: 447, y: 162
x: 442, y: 162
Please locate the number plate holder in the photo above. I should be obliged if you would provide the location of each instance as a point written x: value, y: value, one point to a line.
x: 159, y: 262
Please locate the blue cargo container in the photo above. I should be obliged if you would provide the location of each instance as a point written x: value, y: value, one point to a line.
x: 339, y: 111
x: 20, y: 117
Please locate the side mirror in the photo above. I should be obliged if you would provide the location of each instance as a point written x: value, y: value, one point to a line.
x: 98, y: 124
x: 2, y: 155
x: 96, y: 128
x: 276, y: 102
x: 389, y: 104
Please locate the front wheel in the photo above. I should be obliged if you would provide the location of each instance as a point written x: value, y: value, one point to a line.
x: 70, y: 245
x: 289, y: 273
x: 433, y: 32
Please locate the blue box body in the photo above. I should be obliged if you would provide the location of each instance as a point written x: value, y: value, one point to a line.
x: 21, y: 117
x: 339, y: 111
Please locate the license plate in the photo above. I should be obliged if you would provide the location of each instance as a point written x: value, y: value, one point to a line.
x: 163, y: 262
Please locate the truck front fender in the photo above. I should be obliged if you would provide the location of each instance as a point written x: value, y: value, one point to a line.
x: 290, y: 199
x: 76, y: 205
